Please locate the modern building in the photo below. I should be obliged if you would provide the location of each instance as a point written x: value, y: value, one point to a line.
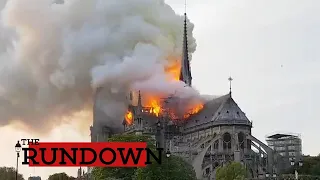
x: 217, y: 134
x: 287, y: 145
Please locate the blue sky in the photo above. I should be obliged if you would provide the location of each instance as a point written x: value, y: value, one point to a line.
x: 269, y: 47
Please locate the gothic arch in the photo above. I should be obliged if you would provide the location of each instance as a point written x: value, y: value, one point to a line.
x: 241, y: 140
x: 198, y: 160
x: 261, y: 150
x: 226, y: 140
x: 216, y: 144
x: 268, y: 151
x: 207, y: 141
x: 210, y: 140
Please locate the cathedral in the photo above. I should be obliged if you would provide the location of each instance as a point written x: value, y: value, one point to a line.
x: 219, y: 133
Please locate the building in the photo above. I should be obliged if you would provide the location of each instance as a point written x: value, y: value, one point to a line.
x: 219, y: 133
x: 287, y: 145
x: 81, y: 175
x: 34, y: 178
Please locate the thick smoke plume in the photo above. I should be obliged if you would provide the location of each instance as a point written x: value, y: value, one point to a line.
x: 54, y: 55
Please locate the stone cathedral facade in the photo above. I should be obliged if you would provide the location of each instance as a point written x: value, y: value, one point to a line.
x: 218, y: 134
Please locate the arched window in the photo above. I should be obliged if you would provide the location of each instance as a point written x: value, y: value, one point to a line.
x: 226, y: 141
x: 241, y: 140
x: 216, y: 165
x: 248, y: 144
x: 216, y: 144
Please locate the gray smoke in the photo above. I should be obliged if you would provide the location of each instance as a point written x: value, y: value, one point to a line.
x: 53, y: 56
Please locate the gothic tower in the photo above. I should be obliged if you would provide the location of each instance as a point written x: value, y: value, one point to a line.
x: 138, y: 119
x: 99, y: 131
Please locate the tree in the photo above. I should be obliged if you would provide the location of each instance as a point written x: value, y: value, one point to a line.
x: 172, y: 168
x: 232, y: 171
x: 9, y: 173
x: 121, y: 173
x: 60, y: 176
x: 311, y: 166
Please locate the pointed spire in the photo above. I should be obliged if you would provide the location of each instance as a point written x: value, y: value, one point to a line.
x: 230, y: 81
x: 185, y: 7
x: 185, y: 72
x: 139, y: 100
x: 130, y: 96
x: 185, y: 39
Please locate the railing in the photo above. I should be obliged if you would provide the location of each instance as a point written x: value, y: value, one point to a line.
x: 300, y: 177
x: 289, y: 177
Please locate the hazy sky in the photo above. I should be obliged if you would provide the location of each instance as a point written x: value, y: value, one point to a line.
x: 269, y: 47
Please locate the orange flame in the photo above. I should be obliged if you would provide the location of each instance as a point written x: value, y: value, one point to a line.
x: 154, y: 102
x: 194, y: 110
x: 155, y: 107
x: 173, y: 70
x: 129, y: 117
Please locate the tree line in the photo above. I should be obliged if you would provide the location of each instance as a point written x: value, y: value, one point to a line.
x: 172, y: 168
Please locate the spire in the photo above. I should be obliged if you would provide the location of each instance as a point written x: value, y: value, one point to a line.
x: 185, y: 72
x: 139, y: 100
x: 230, y: 81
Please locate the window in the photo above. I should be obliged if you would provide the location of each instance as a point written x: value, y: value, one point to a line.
x: 241, y: 140
x: 291, y: 147
x: 226, y: 141
x: 216, y: 144
x: 280, y: 148
x: 207, y: 170
x: 282, y: 154
x: 248, y: 143
x: 292, y: 154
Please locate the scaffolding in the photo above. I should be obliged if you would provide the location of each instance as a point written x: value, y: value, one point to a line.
x: 288, y: 145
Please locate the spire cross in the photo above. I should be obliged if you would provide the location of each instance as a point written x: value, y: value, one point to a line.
x: 230, y: 81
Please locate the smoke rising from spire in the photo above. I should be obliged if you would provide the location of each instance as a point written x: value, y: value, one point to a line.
x: 53, y: 55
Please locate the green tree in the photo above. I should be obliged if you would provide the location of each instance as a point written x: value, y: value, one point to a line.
x: 232, y: 171
x: 171, y: 168
x: 60, y: 176
x: 311, y: 166
x: 315, y: 169
x: 9, y: 173
x: 121, y: 173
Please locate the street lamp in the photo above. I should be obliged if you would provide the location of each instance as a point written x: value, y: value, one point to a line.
x: 296, y: 165
x: 158, y: 129
x: 158, y: 124
x: 267, y: 175
x: 18, y: 149
x: 168, y: 154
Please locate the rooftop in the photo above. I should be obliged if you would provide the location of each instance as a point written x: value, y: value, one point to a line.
x: 280, y: 136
